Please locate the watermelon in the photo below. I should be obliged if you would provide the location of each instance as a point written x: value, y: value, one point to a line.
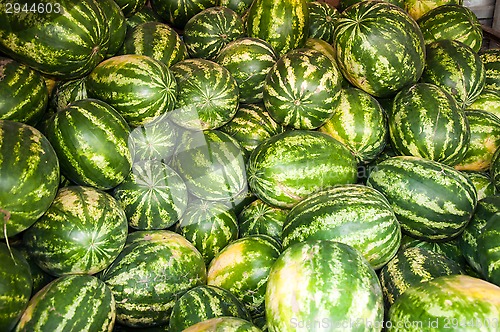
x: 410, y: 267
x: 66, y: 92
x: 146, y: 14
x: 101, y: 159
x: 153, y: 195
x: 248, y: 60
x: 209, y: 226
x: 491, y: 62
x: 202, y: 303
x: 302, y: 88
x: 432, y: 201
x: 23, y: 92
x: 456, y: 68
x: 240, y: 7
x: 63, y: 39
x: 117, y: 25
x: 40, y: 277
x: 82, y: 232
x: 427, y: 122
x: 325, y: 48
x: 380, y: 48
x: 15, y: 286
x: 483, y: 183
x: 323, y: 285
x: 261, y: 218
x: 208, y: 95
x: 292, y: 165
x: 495, y: 168
x: 360, y: 123
x: 488, y: 100
x: 207, y: 32
x: 455, y: 302
x: 70, y: 303
x: 178, y: 12
x: 488, y: 249
x: 417, y: 8
x: 130, y: 7
x: 153, y: 270
x: 139, y: 87
x: 356, y: 215
x: 453, y: 22
x: 484, y: 140
x: 283, y: 24
x: 322, y: 19
x: 29, y: 176
x: 156, y: 40
x: 224, y: 324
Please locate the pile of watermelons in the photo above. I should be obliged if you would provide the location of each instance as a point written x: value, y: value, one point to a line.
x: 281, y: 165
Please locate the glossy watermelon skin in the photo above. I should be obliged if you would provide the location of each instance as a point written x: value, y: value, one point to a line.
x: 282, y: 24
x: 152, y: 271
x: 432, y: 201
x: 66, y: 92
x: 292, y: 165
x: 224, y: 324
x: 454, y: 22
x: 130, y: 7
x: 23, y: 92
x: 483, y: 183
x: 302, y: 89
x: 202, y: 303
x: 429, y: 304
x: 81, y: 41
x: 29, y: 181
x: 117, y: 25
x: 491, y: 62
x: 426, y: 121
x: 488, y: 251
x: 322, y: 19
x: 178, y: 12
x: 303, y: 290
x: 103, y: 159
x: 456, y: 68
x: 261, y: 218
x: 380, y: 49
x: 488, y: 100
x: 139, y: 87
x: 15, y: 286
x: 146, y: 14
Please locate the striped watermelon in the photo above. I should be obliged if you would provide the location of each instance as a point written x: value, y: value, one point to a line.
x: 456, y: 302
x: 240, y: 7
x: 488, y: 249
x: 417, y: 8
x: 243, y: 267
x: 157, y: 40
x: 208, y: 95
x: 207, y: 32
x: 360, y: 123
x: 380, y: 48
x: 322, y: 20
x: 483, y: 183
x: 248, y: 60
x: 325, y: 48
x: 70, y: 303
x: 413, y: 266
x: 454, y: 22
x: 153, y: 195
x: 82, y: 232
x: 356, y: 215
x: 261, y: 218
x: 102, y: 158
x: 66, y: 92
x: 40, y: 277
x: 202, y: 303
x: 139, y: 87
x: 488, y: 100
x: 302, y: 89
x: 209, y: 226
x: 130, y: 7
x: 495, y: 168
x: 23, y: 92
x: 484, y: 140
x: 29, y: 176
x: 67, y: 43
x: 431, y: 200
x: 116, y: 23
x: 15, y: 286
x: 224, y: 324
x: 292, y: 165
x: 323, y: 286
x: 456, y: 68
x: 283, y: 24
x: 426, y: 121
x: 178, y: 12
x: 146, y: 14
x: 153, y: 270
x: 491, y: 62
x: 211, y: 164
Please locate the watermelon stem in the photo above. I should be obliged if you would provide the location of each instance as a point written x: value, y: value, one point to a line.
x: 6, y: 218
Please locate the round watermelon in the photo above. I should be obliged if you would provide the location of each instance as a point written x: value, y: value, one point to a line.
x: 491, y: 62
x: 322, y: 20
x: 224, y: 324
x: 261, y: 218
x: 178, y: 12
x: 495, y: 168
x: 488, y: 100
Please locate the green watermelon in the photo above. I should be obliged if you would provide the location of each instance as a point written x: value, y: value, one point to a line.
x: 325, y: 48
x: 239, y: 6
x: 322, y: 20
x: 283, y: 24
x: 483, y: 183
x: 29, y: 176
x: 39, y: 276
x: 495, y: 168
x: 65, y: 39
x: 153, y: 195
x: 224, y: 324
x: 139, y: 87
x: 488, y: 100
x: 130, y: 7
x: 417, y: 8
x: 289, y: 166
x: 488, y: 249
x: 145, y: 14
x: 202, y: 303
x: 432, y: 201
x: 154, y: 269
x: 66, y: 92
x: 302, y: 89
x: 491, y: 62
x: 178, y: 12
x: 426, y: 121
x: 117, y: 25
x: 380, y: 48
x: 261, y: 218
x: 70, y: 303
x: 90, y: 139
x: 15, y: 286
x: 323, y: 285
x: 23, y: 93
x: 360, y: 123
